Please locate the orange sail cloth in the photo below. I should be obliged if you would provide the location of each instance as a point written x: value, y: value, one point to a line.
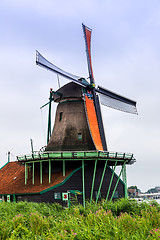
x: 93, y: 123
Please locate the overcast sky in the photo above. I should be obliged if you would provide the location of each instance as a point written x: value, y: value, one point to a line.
x: 125, y: 57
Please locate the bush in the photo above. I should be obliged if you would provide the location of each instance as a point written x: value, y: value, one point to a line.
x: 122, y: 219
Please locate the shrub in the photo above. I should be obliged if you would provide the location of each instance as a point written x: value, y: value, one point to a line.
x: 122, y: 219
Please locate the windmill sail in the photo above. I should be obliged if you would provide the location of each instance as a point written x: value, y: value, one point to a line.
x: 43, y: 62
x: 113, y: 100
x: 93, y: 123
x: 100, y: 121
x: 87, y: 36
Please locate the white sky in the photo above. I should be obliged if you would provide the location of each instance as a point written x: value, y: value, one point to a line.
x: 125, y: 58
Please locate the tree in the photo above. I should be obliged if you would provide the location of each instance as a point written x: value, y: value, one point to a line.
x: 133, y: 187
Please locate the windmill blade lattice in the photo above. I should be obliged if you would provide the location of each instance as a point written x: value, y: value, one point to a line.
x: 107, y: 97
x: 43, y: 62
x: 116, y: 101
x: 87, y: 36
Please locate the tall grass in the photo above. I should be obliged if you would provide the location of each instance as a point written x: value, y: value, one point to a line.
x: 123, y: 219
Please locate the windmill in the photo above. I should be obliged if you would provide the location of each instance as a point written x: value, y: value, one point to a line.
x: 76, y: 160
x: 81, y: 89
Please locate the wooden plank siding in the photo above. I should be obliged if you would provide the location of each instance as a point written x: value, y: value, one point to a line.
x: 75, y: 183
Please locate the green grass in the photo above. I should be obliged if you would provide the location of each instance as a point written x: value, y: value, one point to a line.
x: 123, y: 219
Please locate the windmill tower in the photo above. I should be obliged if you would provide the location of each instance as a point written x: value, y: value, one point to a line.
x: 77, y: 147
x: 72, y: 128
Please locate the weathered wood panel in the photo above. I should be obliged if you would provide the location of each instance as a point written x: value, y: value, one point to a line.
x: 75, y: 183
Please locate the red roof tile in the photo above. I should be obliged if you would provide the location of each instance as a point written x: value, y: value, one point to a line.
x: 12, y: 180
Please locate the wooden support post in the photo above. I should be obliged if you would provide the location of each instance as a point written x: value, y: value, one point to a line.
x: 14, y: 198
x: 26, y: 173
x: 32, y: 146
x: 83, y: 183
x: 93, y: 180
x: 124, y: 177
x: 9, y: 155
x: 49, y: 171
x: 40, y: 172
x: 117, y: 183
x: 111, y: 181
x: 64, y: 171
x: 33, y: 174
x: 49, y: 117
x: 104, y: 170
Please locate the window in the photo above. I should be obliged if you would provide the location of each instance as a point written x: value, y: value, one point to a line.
x: 60, y: 116
x: 57, y: 195
x: 79, y: 136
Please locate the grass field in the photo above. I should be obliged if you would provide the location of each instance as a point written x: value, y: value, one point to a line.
x: 123, y: 219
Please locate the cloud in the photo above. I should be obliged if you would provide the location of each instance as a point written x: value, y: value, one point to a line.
x: 126, y: 59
